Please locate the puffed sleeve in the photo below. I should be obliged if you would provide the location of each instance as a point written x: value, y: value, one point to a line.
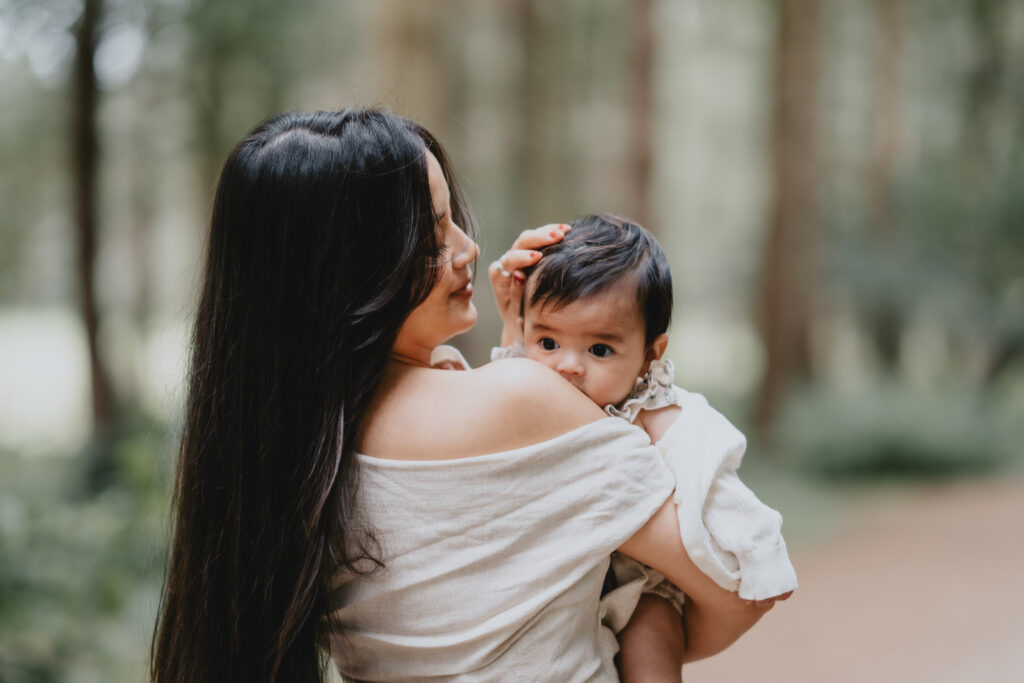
x: 727, y: 531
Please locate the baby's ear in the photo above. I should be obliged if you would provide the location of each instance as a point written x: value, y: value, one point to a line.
x: 657, y: 348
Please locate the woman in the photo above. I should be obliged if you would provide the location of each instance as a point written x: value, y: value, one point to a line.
x: 335, y: 266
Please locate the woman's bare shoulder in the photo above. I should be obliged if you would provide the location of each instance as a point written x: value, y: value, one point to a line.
x: 535, y: 398
x: 505, y: 405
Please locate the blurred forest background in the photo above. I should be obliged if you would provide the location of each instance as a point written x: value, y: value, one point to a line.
x: 839, y: 187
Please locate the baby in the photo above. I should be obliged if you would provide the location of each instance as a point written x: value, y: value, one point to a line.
x: 596, y: 308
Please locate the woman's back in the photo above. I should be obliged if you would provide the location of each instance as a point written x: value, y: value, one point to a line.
x: 494, y: 563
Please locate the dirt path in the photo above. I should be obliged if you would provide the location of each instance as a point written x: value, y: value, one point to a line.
x: 929, y: 588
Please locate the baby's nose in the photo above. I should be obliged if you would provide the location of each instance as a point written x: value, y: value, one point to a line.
x: 569, y: 364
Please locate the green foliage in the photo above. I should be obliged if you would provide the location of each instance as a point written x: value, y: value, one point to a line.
x: 955, y: 251
x: 900, y: 432
x: 80, y: 575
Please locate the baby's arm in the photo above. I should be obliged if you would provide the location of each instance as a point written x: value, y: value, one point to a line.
x: 731, y: 535
x: 752, y: 532
x: 657, y: 422
x: 713, y: 617
x: 653, y: 644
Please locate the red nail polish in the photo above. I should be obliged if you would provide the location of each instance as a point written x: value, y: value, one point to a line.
x: 519, y: 279
x: 555, y: 233
x: 534, y: 254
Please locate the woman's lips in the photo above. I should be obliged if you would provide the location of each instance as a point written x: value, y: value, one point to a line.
x: 465, y: 291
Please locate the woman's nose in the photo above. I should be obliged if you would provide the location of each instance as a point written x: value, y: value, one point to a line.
x: 467, y: 253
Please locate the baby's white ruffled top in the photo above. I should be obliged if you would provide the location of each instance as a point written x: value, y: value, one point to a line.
x: 728, y: 532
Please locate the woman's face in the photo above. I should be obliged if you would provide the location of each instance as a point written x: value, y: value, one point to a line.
x: 448, y: 310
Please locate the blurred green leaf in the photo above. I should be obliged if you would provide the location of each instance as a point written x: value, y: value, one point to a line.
x: 898, y: 431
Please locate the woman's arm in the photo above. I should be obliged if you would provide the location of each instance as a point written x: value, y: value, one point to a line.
x: 713, y: 617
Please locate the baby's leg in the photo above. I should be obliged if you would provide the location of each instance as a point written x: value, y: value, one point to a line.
x: 651, y: 646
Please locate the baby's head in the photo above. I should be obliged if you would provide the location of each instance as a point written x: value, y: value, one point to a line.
x: 597, y: 305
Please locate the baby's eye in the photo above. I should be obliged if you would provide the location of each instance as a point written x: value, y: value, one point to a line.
x: 548, y: 344
x: 601, y: 350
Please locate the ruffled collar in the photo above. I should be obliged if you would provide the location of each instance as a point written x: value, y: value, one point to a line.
x: 651, y: 391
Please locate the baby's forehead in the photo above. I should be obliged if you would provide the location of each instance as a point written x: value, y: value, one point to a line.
x: 616, y: 307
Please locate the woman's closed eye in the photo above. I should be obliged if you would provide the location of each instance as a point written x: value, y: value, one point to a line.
x: 601, y: 350
x: 548, y: 344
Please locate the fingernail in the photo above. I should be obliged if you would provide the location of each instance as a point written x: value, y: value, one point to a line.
x: 556, y: 233
x: 535, y: 254
x: 519, y: 279
x: 565, y: 226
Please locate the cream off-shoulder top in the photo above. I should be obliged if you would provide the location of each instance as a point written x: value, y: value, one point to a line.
x: 493, y: 564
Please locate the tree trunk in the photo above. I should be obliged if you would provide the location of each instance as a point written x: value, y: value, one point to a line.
x: 982, y: 115
x: 211, y: 62
x: 641, y: 109
x: 788, y: 271
x: 143, y: 185
x: 884, y: 113
x: 85, y: 163
x: 529, y: 156
x: 885, y: 319
x: 988, y: 18
x: 410, y: 43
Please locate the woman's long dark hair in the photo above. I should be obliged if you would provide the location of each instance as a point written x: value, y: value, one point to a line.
x: 323, y: 239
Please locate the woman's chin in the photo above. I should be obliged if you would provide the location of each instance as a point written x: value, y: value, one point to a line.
x: 458, y: 319
x: 468, y: 318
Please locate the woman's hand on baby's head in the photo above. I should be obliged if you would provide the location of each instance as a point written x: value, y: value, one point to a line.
x: 506, y: 274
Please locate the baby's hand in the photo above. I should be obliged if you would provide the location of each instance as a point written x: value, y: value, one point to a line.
x: 507, y: 277
x: 768, y: 603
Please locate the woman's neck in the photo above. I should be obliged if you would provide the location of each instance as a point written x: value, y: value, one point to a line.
x: 413, y: 352
x: 415, y: 360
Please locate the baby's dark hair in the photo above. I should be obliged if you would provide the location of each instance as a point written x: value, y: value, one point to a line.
x: 600, y: 251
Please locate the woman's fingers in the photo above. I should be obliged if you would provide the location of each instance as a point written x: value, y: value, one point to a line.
x: 506, y: 274
x: 508, y: 289
x: 767, y: 602
x: 513, y: 261
x: 540, y: 237
x: 496, y: 269
x: 524, y: 254
x: 501, y: 276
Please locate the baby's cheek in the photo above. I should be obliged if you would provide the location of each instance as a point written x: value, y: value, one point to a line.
x: 618, y: 388
x: 533, y: 353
